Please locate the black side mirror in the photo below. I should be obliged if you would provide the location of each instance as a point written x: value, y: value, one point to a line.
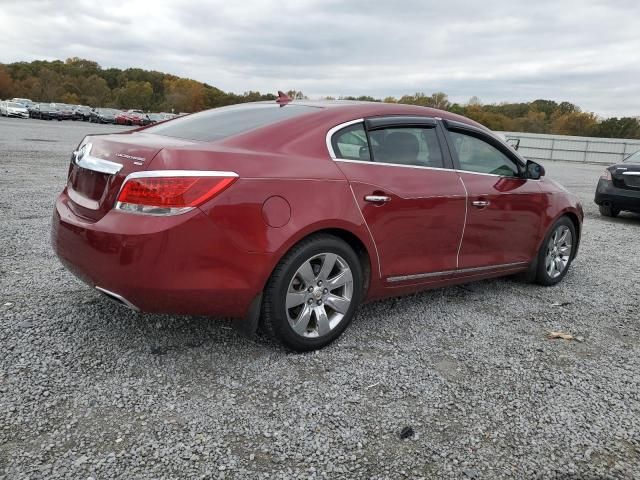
x: 534, y: 170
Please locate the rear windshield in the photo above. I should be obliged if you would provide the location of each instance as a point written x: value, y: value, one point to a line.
x: 224, y: 122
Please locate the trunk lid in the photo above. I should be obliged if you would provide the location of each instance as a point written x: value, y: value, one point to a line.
x: 93, y: 184
x: 626, y: 176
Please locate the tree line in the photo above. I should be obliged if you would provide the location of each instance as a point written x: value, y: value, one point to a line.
x: 84, y: 82
x: 538, y: 116
x: 80, y: 81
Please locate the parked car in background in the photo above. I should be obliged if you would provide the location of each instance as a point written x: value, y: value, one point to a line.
x: 619, y: 187
x: 33, y: 110
x: 65, y: 111
x: 155, y: 117
x: 13, y: 109
x: 24, y: 101
x: 160, y: 117
x: 295, y: 213
x: 103, y: 115
x: 44, y: 111
x: 133, y: 117
x: 57, y: 111
x: 81, y: 112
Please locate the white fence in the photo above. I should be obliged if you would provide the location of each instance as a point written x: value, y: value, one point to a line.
x: 543, y: 147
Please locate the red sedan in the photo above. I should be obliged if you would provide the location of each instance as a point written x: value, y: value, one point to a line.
x: 133, y: 117
x: 293, y: 214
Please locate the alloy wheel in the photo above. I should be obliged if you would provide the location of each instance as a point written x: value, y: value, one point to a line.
x: 558, y: 251
x: 319, y: 295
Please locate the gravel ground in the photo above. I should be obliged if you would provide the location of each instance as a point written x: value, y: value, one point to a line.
x: 91, y: 390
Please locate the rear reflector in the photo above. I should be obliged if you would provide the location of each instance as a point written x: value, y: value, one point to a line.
x: 171, y: 192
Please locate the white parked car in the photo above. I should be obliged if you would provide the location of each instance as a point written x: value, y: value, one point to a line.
x: 13, y: 109
x: 27, y: 102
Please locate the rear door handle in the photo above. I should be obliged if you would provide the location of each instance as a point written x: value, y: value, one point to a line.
x: 480, y: 203
x: 377, y: 198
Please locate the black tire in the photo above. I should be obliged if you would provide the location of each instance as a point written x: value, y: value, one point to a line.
x: 542, y: 276
x: 609, y: 211
x: 274, y: 320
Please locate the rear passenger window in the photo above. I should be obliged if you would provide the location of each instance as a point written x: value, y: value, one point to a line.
x: 351, y: 143
x: 406, y: 146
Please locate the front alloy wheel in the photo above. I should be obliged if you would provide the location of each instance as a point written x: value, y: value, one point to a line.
x: 557, y: 252
x: 313, y: 293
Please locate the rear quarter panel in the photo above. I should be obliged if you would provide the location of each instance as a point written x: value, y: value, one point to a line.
x: 312, y: 192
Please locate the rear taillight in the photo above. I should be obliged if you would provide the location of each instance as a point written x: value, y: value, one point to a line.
x: 171, y: 192
x: 606, y: 175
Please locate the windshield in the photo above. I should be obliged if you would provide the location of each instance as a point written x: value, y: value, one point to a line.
x: 15, y: 105
x: 633, y: 158
x: 224, y: 122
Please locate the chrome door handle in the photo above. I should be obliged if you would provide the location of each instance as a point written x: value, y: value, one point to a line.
x: 377, y: 198
x: 480, y: 203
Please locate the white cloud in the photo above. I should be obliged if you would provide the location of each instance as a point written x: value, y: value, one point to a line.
x: 581, y: 51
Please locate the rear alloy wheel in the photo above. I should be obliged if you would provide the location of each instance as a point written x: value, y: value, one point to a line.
x: 556, y: 253
x: 312, y: 295
x: 608, y: 211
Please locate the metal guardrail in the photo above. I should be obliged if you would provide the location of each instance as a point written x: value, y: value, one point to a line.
x: 542, y: 147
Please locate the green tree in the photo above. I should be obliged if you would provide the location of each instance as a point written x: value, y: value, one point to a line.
x: 6, y: 83
x: 625, y: 127
x: 575, y: 123
x: 135, y: 95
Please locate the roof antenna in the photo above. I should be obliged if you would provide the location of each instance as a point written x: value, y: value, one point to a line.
x: 283, y: 98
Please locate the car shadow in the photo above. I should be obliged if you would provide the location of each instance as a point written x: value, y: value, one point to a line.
x: 627, y: 218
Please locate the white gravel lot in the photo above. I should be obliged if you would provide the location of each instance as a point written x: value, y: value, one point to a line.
x: 91, y: 390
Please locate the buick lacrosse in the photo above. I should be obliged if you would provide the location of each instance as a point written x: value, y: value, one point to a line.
x: 288, y: 215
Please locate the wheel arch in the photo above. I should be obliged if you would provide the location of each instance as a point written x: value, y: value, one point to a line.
x: 351, y: 238
x: 578, y: 226
x: 574, y: 217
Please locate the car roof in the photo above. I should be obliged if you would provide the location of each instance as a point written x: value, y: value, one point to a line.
x: 352, y: 109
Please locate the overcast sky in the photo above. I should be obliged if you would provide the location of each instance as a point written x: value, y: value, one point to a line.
x: 586, y: 52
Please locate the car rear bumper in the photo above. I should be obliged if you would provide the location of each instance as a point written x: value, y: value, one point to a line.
x: 622, y: 198
x: 181, y: 264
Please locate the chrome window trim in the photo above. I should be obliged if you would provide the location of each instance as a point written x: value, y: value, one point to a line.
x: 418, y: 276
x: 631, y: 173
x: 334, y: 130
x: 385, y: 164
x: 333, y: 155
x: 459, y: 170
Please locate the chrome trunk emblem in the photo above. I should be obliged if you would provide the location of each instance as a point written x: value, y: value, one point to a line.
x: 130, y: 157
